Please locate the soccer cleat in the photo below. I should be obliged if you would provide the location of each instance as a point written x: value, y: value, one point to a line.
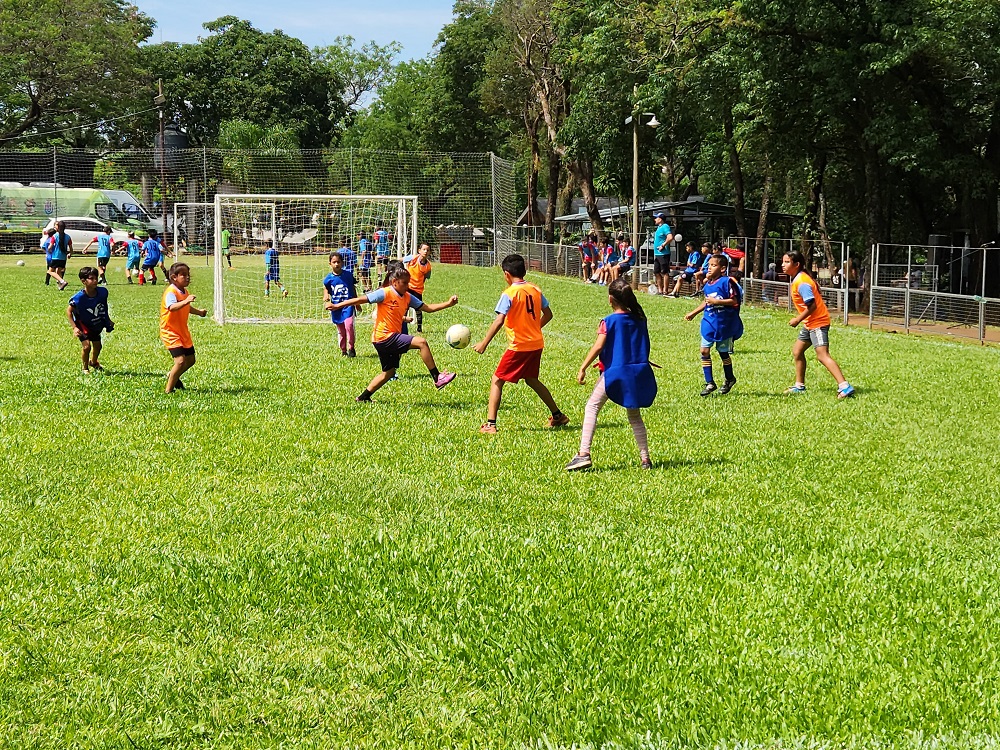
x: 267, y: 292
x: 795, y: 389
x: 646, y: 465
x: 86, y: 372
x: 351, y: 353
x: 130, y: 280
x: 179, y: 385
x: 727, y: 387
x: 343, y: 353
x: 560, y: 421
x: 443, y: 379
x: 363, y: 400
x: 488, y: 429
x: 284, y: 292
x: 847, y: 392
x: 63, y: 285
x: 579, y: 462
x: 709, y: 389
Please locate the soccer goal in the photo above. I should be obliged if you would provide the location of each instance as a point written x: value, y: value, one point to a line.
x: 192, y: 232
x: 304, y: 230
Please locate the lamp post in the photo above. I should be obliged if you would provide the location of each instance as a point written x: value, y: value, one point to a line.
x: 653, y: 123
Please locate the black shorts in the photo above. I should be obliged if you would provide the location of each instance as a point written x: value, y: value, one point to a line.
x: 94, y: 336
x: 150, y: 267
x: 661, y: 264
x: 390, y: 350
x: 60, y: 264
x: 103, y: 260
x: 181, y: 351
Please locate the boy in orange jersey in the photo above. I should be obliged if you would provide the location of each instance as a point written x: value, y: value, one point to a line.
x: 392, y: 302
x: 522, y: 312
x: 813, y: 313
x: 419, y: 266
x: 174, y: 333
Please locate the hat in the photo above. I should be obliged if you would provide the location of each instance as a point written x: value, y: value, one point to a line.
x: 771, y: 266
x: 659, y: 216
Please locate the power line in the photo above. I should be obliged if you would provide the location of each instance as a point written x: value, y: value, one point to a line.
x: 85, y: 125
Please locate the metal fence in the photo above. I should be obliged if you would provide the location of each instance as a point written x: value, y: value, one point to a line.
x: 933, y: 289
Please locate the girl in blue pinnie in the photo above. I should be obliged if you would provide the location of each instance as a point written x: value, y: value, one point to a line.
x: 626, y: 375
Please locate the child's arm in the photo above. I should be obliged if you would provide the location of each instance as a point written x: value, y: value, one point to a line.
x: 348, y: 302
x: 439, y: 305
x: 595, y: 350
x: 810, y: 309
x: 546, y: 316
x: 77, y: 331
x: 84, y: 251
x: 696, y: 312
x: 494, y: 329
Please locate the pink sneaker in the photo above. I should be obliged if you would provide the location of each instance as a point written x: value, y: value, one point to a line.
x: 443, y: 379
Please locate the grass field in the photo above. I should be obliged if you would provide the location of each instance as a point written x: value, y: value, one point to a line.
x: 260, y: 562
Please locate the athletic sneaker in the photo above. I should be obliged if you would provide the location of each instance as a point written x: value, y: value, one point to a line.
x: 351, y: 353
x: 363, y: 400
x: 795, y: 389
x: 179, y: 385
x: 847, y: 392
x: 488, y: 429
x: 579, y: 462
x: 709, y: 389
x: 646, y: 465
x: 443, y: 379
x: 63, y: 285
x: 284, y: 292
x: 559, y: 421
x: 727, y: 387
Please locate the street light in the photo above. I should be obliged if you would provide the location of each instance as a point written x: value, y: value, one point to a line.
x: 653, y: 123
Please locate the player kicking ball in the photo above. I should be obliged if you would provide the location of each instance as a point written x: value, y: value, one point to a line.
x: 391, y: 303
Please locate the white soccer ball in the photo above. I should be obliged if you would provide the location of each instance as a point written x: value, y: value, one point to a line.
x: 678, y: 238
x: 20, y: 263
x: 652, y: 289
x: 458, y: 336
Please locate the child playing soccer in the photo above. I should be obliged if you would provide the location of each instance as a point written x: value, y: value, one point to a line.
x: 104, y: 243
x: 721, y: 324
x: 60, y: 251
x: 47, y: 243
x: 339, y: 285
x: 391, y: 303
x: 626, y: 375
x: 273, y: 272
x: 153, y: 251
x: 89, y: 315
x: 175, y: 307
x: 522, y: 312
x: 816, y: 329
x: 133, y: 249
x: 419, y: 266
x: 367, y: 260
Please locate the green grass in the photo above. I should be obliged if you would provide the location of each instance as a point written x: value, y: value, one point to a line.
x: 260, y: 562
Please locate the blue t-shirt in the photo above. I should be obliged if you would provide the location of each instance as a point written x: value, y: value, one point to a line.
x: 104, y: 245
x: 660, y: 246
x: 694, y: 258
x: 611, y: 254
x: 60, y: 246
x: 271, y: 260
x: 349, y: 258
x: 340, y: 288
x: 367, y: 256
x: 134, y: 249
x: 708, y: 257
x: 91, y: 313
x: 153, y: 250
x: 719, y: 323
x: 382, y: 243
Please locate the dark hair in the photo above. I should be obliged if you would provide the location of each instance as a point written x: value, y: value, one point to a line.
x: 152, y: 234
x: 622, y: 293
x: 107, y: 229
x: 335, y: 254
x: 721, y: 258
x: 797, y: 258
x: 176, y: 268
x: 87, y: 271
x: 514, y: 265
x: 344, y: 241
x: 690, y: 244
x: 392, y: 271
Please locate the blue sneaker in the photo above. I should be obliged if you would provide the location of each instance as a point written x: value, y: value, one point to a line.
x: 846, y: 392
x: 796, y: 389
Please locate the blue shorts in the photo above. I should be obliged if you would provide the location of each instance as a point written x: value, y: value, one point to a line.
x: 271, y: 277
x: 132, y: 263
x: 147, y: 266
x: 624, y: 267
x: 723, y: 347
x: 391, y: 349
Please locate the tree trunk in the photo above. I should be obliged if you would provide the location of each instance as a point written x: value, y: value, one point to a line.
x: 811, y: 218
x: 737, y: 172
x: 555, y: 169
x: 531, y: 127
x: 583, y: 171
x: 765, y: 208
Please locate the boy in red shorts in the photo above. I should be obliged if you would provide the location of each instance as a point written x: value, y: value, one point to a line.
x: 522, y: 312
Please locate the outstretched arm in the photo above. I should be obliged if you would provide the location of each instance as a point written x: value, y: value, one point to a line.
x: 439, y: 305
x: 494, y: 329
x: 348, y: 302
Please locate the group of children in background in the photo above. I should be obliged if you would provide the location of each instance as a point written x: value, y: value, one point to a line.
x: 604, y: 264
x: 621, y: 348
x: 140, y: 257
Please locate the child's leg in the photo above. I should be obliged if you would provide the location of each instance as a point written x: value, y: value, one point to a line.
x: 349, y: 327
x: 496, y: 392
x: 379, y: 380
x: 180, y: 367
x: 86, y: 355
x: 543, y: 393
x: 597, y: 400
x: 342, y: 337
x: 706, y: 364
x: 639, y: 431
x: 425, y: 354
x: 823, y: 355
x: 726, y: 354
x: 95, y: 354
x: 229, y: 260
x: 799, y: 356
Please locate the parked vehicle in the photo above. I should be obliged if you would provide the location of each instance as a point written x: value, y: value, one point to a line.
x: 82, y: 229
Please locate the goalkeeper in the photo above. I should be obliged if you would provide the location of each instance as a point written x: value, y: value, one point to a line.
x: 273, y: 272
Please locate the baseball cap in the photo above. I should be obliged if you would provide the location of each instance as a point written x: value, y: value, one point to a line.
x: 659, y: 216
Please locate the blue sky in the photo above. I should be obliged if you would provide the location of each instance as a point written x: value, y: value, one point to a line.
x: 414, y: 24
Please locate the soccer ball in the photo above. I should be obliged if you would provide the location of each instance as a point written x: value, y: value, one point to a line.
x: 678, y: 238
x: 458, y: 336
x: 20, y: 263
x: 652, y: 289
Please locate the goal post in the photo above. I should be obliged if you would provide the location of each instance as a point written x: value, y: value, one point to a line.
x: 287, y: 286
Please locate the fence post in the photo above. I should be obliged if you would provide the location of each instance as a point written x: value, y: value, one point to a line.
x: 845, y: 253
x: 982, y: 316
x: 906, y: 291
x: 872, y: 283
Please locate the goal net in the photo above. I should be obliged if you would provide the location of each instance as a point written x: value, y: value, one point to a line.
x: 191, y: 236
x: 304, y: 229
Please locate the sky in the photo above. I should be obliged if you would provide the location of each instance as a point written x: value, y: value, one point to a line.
x: 414, y: 24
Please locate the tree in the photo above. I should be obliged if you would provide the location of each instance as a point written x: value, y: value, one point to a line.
x: 261, y: 159
x: 359, y: 72
x: 63, y: 62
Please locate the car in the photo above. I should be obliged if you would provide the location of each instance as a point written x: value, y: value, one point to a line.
x: 82, y: 229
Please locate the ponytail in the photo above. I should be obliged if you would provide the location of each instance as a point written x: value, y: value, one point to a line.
x: 622, y: 293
